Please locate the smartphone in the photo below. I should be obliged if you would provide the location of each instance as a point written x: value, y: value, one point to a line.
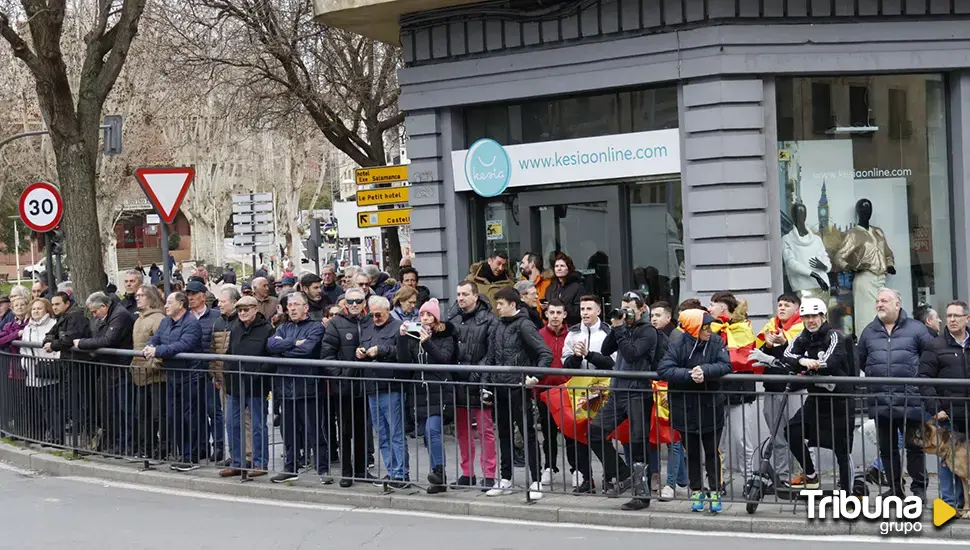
x: 412, y: 327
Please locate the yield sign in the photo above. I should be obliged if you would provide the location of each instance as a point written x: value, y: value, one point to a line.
x: 165, y: 187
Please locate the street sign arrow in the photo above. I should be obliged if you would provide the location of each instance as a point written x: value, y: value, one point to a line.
x: 166, y: 188
x: 362, y: 220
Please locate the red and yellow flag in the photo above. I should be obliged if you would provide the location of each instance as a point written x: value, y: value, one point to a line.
x: 740, y: 339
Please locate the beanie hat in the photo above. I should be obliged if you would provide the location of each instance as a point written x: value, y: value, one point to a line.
x: 432, y: 307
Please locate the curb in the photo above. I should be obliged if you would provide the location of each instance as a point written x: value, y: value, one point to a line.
x: 42, y: 462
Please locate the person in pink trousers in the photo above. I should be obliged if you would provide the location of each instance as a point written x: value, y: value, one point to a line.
x: 471, y: 321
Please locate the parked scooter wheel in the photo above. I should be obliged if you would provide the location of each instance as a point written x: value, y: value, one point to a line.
x: 753, y: 494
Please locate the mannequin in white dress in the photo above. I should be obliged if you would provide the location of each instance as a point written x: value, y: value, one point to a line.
x: 805, y: 258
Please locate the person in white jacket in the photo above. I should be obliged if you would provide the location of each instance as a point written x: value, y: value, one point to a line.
x: 44, y: 421
x: 582, y: 350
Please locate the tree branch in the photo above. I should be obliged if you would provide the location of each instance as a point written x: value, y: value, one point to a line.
x: 21, y: 50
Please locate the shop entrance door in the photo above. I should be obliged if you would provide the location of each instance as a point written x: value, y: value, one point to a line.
x: 584, y: 224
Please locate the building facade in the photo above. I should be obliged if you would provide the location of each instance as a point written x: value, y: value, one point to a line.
x: 688, y: 146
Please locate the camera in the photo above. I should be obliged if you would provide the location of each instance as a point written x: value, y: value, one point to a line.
x: 626, y: 314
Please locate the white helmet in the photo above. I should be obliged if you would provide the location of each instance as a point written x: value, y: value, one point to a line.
x: 812, y: 306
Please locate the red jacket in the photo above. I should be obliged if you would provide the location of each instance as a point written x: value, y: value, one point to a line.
x: 555, y: 342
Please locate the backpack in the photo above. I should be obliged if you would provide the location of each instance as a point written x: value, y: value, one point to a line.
x: 661, y: 349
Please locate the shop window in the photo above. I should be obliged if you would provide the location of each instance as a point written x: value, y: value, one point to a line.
x: 657, y: 240
x: 495, y: 226
x: 821, y: 107
x: 553, y: 119
x: 833, y: 247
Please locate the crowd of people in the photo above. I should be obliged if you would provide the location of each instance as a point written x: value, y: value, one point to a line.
x: 158, y: 404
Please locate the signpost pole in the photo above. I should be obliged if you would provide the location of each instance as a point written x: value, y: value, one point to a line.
x: 49, y: 245
x: 58, y: 268
x: 16, y: 245
x: 166, y: 267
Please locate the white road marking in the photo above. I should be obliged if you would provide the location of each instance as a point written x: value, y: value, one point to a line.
x: 16, y: 470
x: 922, y: 541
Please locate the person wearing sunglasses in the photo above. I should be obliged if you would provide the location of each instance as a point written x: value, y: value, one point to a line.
x: 341, y: 341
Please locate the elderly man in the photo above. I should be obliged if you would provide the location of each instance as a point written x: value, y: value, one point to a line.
x: 112, y: 326
x: 380, y: 282
x: 378, y: 342
x: 890, y: 346
x: 330, y: 288
x: 349, y: 277
x: 267, y: 304
x: 530, y: 299
x: 196, y: 292
x: 133, y: 281
x: 180, y: 332
x: 40, y: 290
x: 303, y: 404
x: 341, y: 342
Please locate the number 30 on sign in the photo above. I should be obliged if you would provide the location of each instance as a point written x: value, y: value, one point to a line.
x: 41, y: 207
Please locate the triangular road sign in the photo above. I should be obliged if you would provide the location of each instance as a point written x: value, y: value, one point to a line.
x: 165, y: 187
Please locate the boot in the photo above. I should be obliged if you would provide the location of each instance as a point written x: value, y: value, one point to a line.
x: 439, y: 483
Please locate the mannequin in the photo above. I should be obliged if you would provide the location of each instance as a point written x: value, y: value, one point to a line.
x: 805, y: 258
x: 866, y: 253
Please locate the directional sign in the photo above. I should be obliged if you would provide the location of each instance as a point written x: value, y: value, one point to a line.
x: 166, y: 188
x: 382, y: 174
x: 383, y: 218
x: 41, y: 207
x: 374, y: 197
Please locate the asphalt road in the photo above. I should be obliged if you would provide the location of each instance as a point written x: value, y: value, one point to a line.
x: 42, y: 512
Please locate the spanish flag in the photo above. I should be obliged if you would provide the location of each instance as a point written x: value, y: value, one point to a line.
x: 740, y: 339
x: 790, y: 328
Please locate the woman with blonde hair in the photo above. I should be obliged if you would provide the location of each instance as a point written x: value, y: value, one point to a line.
x: 405, y: 304
x: 43, y: 400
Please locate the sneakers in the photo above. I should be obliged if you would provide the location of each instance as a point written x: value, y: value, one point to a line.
x: 184, y: 467
x: 466, y: 481
x: 697, y: 501
x: 547, y: 476
x: 805, y: 482
x: 585, y: 487
x: 284, y: 477
x: 577, y: 479
x: 326, y: 479
x: 715, y: 502
x: 504, y: 487
x: 668, y: 493
x: 535, y: 491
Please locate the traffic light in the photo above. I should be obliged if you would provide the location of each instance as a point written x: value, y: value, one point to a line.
x: 57, y: 240
x: 313, y: 243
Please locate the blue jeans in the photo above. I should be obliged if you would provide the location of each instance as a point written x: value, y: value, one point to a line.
x: 387, y: 416
x: 237, y: 446
x: 432, y: 440
x: 185, y: 396
x: 213, y: 410
x: 677, y: 465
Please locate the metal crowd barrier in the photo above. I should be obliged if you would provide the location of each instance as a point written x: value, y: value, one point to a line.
x: 404, y: 430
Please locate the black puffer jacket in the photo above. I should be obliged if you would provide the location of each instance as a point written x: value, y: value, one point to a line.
x: 896, y: 356
x: 825, y: 401
x: 945, y: 358
x: 434, y: 395
x: 68, y: 327
x: 115, y: 331
x: 384, y: 337
x: 471, y: 331
x: 515, y: 342
x: 695, y: 408
x: 340, y: 342
x: 635, y: 346
x: 569, y: 293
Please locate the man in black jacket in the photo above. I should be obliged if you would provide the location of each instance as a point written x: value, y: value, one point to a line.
x: 515, y: 342
x: 341, y: 341
x: 113, y: 326
x: 133, y: 281
x: 472, y: 321
x: 319, y: 302
x: 81, y: 384
x: 947, y: 356
x: 634, y: 340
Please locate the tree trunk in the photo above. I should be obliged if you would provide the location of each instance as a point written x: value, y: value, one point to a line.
x: 76, y: 173
x: 110, y: 252
x: 203, y: 243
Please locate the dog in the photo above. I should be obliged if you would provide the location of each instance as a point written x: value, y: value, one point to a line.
x: 954, y: 449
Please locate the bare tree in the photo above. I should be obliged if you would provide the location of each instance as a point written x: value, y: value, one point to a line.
x: 286, y: 62
x: 74, y: 124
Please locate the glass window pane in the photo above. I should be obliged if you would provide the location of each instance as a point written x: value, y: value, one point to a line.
x: 878, y: 138
x: 657, y: 240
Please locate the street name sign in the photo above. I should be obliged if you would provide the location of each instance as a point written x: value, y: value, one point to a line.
x: 384, y: 218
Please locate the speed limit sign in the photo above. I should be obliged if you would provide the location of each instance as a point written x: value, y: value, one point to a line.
x: 41, y: 207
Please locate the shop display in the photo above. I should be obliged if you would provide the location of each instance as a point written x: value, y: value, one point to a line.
x: 866, y: 253
x: 806, y: 261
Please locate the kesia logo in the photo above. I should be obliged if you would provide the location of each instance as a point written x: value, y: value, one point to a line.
x: 487, y: 167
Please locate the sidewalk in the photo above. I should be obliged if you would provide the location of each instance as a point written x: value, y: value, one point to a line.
x: 553, y: 508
